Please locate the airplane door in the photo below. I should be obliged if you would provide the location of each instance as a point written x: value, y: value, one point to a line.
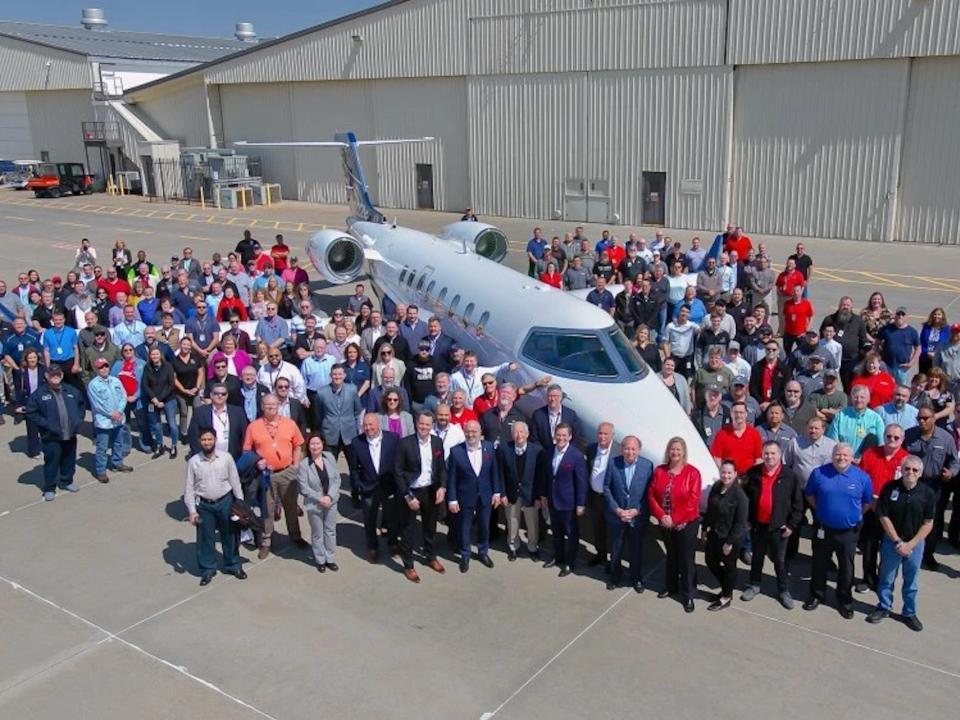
x: 424, y: 187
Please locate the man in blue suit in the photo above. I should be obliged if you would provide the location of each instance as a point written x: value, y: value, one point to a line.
x: 564, y: 491
x: 473, y: 489
x: 544, y: 421
x: 625, y: 490
x: 372, y: 481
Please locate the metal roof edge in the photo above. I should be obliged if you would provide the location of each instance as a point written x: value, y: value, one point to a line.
x: 50, y: 46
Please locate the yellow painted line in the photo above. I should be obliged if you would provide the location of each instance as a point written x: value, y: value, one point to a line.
x: 300, y: 227
x: 942, y: 284
x: 194, y: 237
x: 17, y: 217
x: 231, y: 220
x: 882, y: 278
x: 831, y: 276
x: 73, y: 224
x: 151, y: 213
x: 135, y: 232
x: 169, y: 215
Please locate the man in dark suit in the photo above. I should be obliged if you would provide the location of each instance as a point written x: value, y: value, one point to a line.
x: 544, y: 421
x: 625, y: 491
x: 221, y: 375
x: 421, y: 487
x: 474, y: 491
x: 440, y: 345
x: 564, y: 491
x: 289, y: 406
x: 372, y: 481
x: 599, y: 455
x: 496, y: 424
x: 251, y: 394
x: 228, y: 421
x: 521, y: 463
x: 775, y: 510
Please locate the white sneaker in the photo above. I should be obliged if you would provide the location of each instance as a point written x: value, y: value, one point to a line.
x: 49, y: 496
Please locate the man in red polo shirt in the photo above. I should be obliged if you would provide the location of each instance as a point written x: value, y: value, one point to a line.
x: 797, y: 314
x: 737, y: 241
x: 882, y: 464
x: 786, y: 281
x: 489, y: 398
x: 738, y: 441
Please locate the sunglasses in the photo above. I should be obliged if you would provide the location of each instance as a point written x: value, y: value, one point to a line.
x: 218, y: 393
x: 910, y: 469
x: 283, y: 387
x: 891, y: 437
x: 490, y: 383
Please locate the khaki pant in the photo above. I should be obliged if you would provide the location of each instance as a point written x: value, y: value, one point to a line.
x: 284, y: 489
x: 532, y: 520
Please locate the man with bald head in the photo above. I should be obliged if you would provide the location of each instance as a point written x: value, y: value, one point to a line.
x: 521, y: 463
x: 372, y: 480
x: 625, y: 491
x: 839, y: 494
x: 474, y: 490
x: 599, y: 454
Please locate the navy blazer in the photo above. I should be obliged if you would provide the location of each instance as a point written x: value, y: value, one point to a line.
x: 364, y: 477
x: 203, y: 417
x: 21, y: 382
x: 619, y: 498
x: 567, y: 488
x: 464, y: 486
x: 540, y: 426
x: 515, y: 486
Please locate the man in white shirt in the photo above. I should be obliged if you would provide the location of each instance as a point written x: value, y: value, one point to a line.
x: 450, y: 434
x: 210, y: 486
x: 598, y: 455
x: 275, y: 368
x: 467, y: 378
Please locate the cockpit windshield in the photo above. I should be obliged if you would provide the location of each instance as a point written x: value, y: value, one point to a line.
x: 584, y: 353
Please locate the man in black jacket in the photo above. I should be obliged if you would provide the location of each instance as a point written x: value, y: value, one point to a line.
x: 57, y: 410
x: 851, y: 334
x: 776, y: 508
x: 420, y: 489
x: 228, y: 421
x: 521, y: 464
x: 372, y: 480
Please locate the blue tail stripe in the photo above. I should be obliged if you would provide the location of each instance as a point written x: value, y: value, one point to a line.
x: 358, y: 195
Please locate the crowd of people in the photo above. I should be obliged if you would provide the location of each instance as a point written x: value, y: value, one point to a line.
x: 824, y: 428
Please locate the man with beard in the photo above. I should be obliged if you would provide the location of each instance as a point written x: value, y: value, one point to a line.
x: 851, y: 333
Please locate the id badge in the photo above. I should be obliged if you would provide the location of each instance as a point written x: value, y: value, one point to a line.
x: 894, y: 496
x: 821, y: 534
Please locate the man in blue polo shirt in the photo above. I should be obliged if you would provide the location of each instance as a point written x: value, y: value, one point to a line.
x: 600, y: 296
x: 839, y: 493
x: 60, y: 348
x: 535, y: 249
x: 900, y: 346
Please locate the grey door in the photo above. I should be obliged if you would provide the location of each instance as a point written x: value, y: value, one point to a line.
x: 654, y: 192
x: 424, y: 187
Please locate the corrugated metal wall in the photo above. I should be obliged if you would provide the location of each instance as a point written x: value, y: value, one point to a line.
x: 786, y: 31
x: 671, y: 121
x: 681, y: 33
x: 15, y: 140
x: 55, y: 123
x: 416, y: 39
x: 816, y: 148
x: 930, y: 176
x: 527, y: 134
x: 23, y: 66
x: 180, y: 114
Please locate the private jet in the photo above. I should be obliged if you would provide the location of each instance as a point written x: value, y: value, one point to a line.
x: 501, y: 314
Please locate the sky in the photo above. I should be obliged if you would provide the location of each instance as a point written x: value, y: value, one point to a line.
x: 214, y: 18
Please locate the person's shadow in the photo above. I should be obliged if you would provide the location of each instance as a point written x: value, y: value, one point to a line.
x: 181, y: 557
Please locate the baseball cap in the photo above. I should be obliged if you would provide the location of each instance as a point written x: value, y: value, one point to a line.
x: 955, y: 328
x: 765, y: 330
x: 811, y: 334
x: 734, y: 345
x: 902, y: 310
x: 423, y: 345
x: 713, y: 387
x: 741, y: 380
x: 831, y: 373
x: 815, y: 358
x: 99, y: 330
x: 100, y: 362
x: 56, y: 279
x: 54, y: 370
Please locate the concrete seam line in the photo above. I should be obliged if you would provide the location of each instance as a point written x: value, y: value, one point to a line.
x: 852, y: 643
x: 548, y: 663
x: 111, y: 636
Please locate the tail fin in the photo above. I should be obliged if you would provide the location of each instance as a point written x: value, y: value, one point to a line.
x: 358, y: 195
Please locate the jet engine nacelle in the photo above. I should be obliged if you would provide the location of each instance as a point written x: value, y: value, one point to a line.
x: 480, y: 238
x: 338, y: 257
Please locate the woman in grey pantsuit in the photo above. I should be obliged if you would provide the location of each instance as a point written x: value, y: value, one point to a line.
x: 320, y: 488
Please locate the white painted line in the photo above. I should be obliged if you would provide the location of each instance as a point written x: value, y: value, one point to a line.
x: 17, y: 217
x: 111, y: 637
x: 852, y: 643
x: 73, y: 224
x: 548, y: 663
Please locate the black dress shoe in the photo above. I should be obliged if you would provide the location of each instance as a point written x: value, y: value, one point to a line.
x: 157, y: 453
x: 663, y: 594
x: 812, y: 604
x: 535, y: 555
x: 321, y: 568
x: 464, y: 565
x: 861, y: 587
x: 877, y: 615
x: 486, y: 561
x: 550, y: 563
x: 930, y: 564
x: 846, y: 612
x: 595, y: 560
x: 240, y: 574
x: 611, y: 585
x: 173, y: 451
x: 564, y: 571
x: 688, y: 606
x: 913, y: 622
x: 205, y: 580
x: 639, y: 588
x: 333, y: 567
x: 511, y: 555
x: 719, y: 604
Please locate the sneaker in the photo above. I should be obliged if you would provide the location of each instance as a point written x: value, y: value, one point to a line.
x: 49, y: 496
x: 913, y: 622
x: 750, y: 593
x: 786, y: 600
x: 877, y: 615
x: 861, y: 587
x: 746, y: 557
x: 123, y: 468
x: 72, y: 487
x: 102, y: 477
x: 719, y: 604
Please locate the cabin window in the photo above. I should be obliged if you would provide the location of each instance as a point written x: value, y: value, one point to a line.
x: 579, y: 353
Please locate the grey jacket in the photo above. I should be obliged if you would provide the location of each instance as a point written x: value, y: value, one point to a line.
x: 338, y: 417
x: 310, y: 486
x: 406, y: 423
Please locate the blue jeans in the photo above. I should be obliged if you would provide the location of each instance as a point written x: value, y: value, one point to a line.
x: 215, y: 516
x: 109, y: 438
x: 901, y: 375
x: 156, y: 422
x: 890, y: 563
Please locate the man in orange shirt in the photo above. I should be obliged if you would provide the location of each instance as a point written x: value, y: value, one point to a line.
x: 278, y: 443
x: 797, y: 314
x: 882, y: 464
